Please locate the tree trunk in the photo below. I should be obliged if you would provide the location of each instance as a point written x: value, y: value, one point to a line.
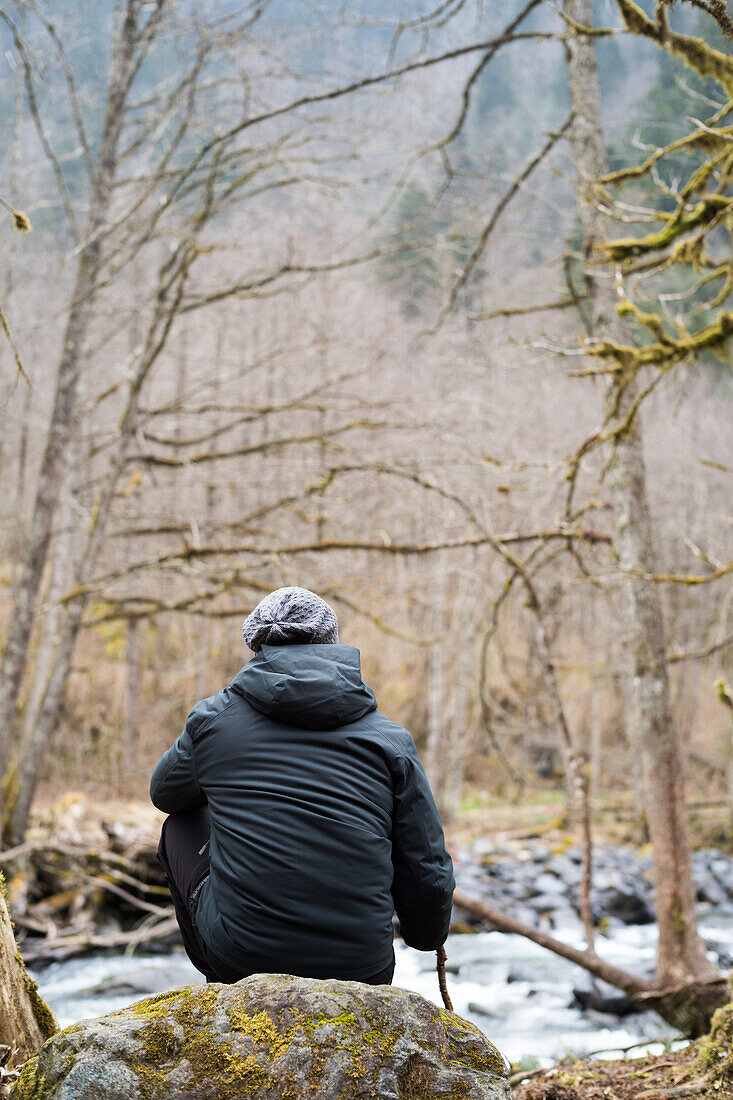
x: 48, y: 714
x: 17, y: 538
x: 18, y: 780
x: 595, y: 721
x: 132, y: 687
x: 575, y: 768
x: 457, y: 709
x: 435, y: 747
x: 681, y: 955
x: 26, y: 1021
x: 55, y: 455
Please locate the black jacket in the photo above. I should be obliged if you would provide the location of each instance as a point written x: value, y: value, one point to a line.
x: 322, y: 820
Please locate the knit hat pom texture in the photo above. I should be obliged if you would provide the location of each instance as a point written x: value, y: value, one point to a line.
x: 290, y: 616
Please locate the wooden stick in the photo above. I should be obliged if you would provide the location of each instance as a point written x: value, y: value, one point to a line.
x: 441, y: 978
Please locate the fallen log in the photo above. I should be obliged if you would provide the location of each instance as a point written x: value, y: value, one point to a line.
x: 64, y: 893
x: 621, y: 979
x: 65, y: 946
x: 688, y: 1006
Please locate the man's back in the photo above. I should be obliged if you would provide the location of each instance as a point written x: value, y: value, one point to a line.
x: 322, y: 821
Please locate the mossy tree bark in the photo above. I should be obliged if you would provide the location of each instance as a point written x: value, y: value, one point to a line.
x: 26, y: 1021
x: 681, y: 956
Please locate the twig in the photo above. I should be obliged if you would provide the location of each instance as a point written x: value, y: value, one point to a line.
x: 60, y: 947
x: 486, y: 232
x: 442, y: 983
x: 695, y: 1088
x: 526, y: 1075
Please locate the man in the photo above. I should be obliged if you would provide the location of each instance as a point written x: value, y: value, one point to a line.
x: 300, y: 816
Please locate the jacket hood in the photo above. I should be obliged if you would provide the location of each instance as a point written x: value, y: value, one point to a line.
x: 314, y: 686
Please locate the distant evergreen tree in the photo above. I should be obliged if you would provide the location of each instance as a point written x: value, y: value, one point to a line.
x: 412, y: 266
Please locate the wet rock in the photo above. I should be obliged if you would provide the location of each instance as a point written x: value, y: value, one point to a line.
x: 708, y: 889
x: 270, y: 1037
x: 520, y: 973
x: 567, y: 921
x: 546, y: 883
x: 566, y: 869
x: 622, y: 893
x: 485, y: 1010
x: 625, y: 904
x: 604, y: 998
x: 722, y: 868
x: 146, y: 979
x: 547, y: 903
x: 721, y: 951
x: 542, y: 888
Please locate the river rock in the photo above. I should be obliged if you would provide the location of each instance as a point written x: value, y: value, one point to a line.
x: 624, y: 902
x: 270, y: 1037
x: 604, y: 998
x: 143, y: 979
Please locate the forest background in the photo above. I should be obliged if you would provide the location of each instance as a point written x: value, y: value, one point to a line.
x: 304, y: 335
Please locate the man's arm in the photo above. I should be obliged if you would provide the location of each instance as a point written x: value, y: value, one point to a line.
x: 423, y: 883
x: 174, y: 785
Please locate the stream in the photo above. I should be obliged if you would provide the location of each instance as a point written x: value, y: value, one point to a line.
x: 532, y: 1004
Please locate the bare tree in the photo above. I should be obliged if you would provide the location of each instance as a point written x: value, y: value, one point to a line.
x: 132, y: 39
x: 154, y: 185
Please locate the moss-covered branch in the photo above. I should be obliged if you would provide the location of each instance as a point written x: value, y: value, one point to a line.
x: 698, y: 54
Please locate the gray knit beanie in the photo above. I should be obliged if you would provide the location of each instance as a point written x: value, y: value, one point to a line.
x: 290, y: 616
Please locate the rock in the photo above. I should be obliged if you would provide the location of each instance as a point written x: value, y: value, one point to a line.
x: 567, y: 922
x: 546, y: 883
x: 547, y: 903
x: 721, y: 950
x: 519, y: 973
x: 566, y: 869
x: 625, y: 897
x: 483, y: 1010
x: 270, y: 1037
x: 604, y: 999
x: 628, y: 906
x: 146, y: 979
x: 709, y: 890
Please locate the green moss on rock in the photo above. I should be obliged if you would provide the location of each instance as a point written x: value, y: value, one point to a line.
x: 469, y: 1046
x: 273, y: 1037
x: 715, y: 1051
x: 30, y: 1084
x: 216, y: 1066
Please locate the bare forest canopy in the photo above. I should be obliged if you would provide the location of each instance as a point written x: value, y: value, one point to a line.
x: 304, y: 303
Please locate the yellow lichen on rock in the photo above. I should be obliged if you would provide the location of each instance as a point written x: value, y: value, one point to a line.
x: 271, y: 1037
x: 715, y: 1055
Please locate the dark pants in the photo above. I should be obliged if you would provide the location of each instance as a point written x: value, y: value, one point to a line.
x: 183, y: 853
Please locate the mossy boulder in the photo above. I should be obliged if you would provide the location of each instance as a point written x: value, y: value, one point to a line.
x: 715, y: 1052
x: 270, y: 1036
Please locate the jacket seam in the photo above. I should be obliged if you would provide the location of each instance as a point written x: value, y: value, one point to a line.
x: 428, y: 846
x: 194, y: 769
x: 176, y: 759
x: 210, y: 721
x: 198, y: 729
x: 401, y: 754
x: 202, y: 729
x: 411, y: 778
x: 160, y: 780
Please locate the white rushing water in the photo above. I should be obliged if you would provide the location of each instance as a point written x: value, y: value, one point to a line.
x: 517, y: 993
